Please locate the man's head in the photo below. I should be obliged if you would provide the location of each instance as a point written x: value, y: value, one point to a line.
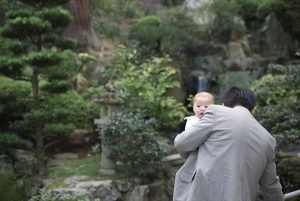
x: 242, y: 96
x: 200, y: 103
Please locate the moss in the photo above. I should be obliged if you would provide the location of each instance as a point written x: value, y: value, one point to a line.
x: 150, y: 20
x: 8, y: 190
x: 161, y: 138
x: 59, y: 184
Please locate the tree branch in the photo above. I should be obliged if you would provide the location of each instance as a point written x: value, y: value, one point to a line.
x: 24, y: 77
x: 51, y: 143
x: 49, y: 135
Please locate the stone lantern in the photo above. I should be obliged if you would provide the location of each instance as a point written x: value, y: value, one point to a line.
x: 108, y: 105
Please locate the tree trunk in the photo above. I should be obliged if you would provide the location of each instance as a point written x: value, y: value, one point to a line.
x: 81, y: 23
x: 39, y: 141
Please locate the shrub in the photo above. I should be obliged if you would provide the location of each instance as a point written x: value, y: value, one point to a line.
x: 281, y: 116
x: 133, y: 142
x: 171, y: 32
x: 267, y: 94
x: 144, y: 86
x: 82, y: 111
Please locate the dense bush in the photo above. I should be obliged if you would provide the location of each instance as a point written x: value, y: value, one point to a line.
x: 132, y: 139
x: 266, y: 94
x: 81, y: 111
x: 280, y: 115
x: 15, y: 100
x: 171, y: 31
x: 254, y: 12
x: 143, y: 86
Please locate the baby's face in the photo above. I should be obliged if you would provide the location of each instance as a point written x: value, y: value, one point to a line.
x: 200, y: 104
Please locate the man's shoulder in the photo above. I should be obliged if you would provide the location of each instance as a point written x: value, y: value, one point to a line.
x: 218, y: 108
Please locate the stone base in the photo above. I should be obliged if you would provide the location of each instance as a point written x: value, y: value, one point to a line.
x: 107, y: 171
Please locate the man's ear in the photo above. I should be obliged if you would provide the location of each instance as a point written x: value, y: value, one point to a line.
x: 253, y: 110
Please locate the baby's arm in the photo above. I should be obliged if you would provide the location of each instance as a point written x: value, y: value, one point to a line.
x: 192, y: 138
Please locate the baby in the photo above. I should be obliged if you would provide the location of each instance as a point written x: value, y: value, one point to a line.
x: 200, y: 103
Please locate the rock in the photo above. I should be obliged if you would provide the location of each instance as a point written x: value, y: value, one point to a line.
x: 6, y: 165
x: 78, y: 136
x: 24, y: 154
x: 231, y: 64
x: 156, y: 192
x: 174, y: 159
x: 208, y: 63
x: 139, y: 193
x: 30, y: 187
x: 237, y: 78
x: 131, y: 189
x: 167, y: 146
x: 105, y: 190
x: 270, y: 39
x: 236, y: 50
x: 124, y: 186
x: 205, y: 49
x: 169, y: 178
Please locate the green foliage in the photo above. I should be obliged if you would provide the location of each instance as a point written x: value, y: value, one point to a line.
x: 106, y: 26
x: 132, y: 140
x: 280, y: 115
x: 148, y: 32
x: 150, y: 20
x: 254, y: 12
x: 268, y: 6
x: 268, y: 94
x: 144, y: 86
x: 179, y: 30
x: 108, y: 16
x: 44, y: 196
x: 81, y: 111
x: 289, y: 171
x: 5, y: 42
x: 25, y: 168
x: 171, y: 32
x: 101, y: 6
x: 11, y: 140
x: 14, y: 100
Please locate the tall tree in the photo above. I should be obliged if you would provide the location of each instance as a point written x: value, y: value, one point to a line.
x: 42, y: 57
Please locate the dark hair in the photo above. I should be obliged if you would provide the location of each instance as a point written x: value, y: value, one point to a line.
x: 239, y: 96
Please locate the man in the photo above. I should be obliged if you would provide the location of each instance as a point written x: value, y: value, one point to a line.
x: 228, y: 154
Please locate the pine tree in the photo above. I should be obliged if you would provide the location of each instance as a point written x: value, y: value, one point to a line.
x: 43, y: 58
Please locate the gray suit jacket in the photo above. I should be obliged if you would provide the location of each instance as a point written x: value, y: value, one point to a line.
x: 228, y: 154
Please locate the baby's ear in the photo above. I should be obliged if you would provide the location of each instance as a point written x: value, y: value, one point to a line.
x: 223, y: 104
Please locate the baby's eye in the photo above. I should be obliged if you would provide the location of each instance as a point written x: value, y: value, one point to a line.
x: 206, y: 106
